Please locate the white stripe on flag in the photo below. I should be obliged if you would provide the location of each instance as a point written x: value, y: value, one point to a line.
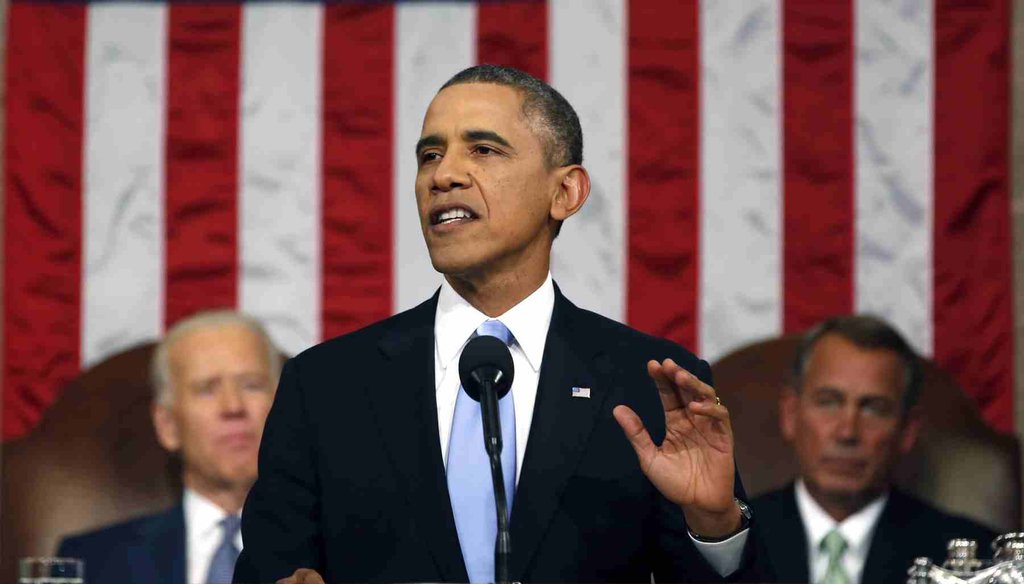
x: 434, y: 41
x: 587, y: 59
x: 123, y: 223
x: 894, y: 70
x: 280, y: 162
x: 741, y: 174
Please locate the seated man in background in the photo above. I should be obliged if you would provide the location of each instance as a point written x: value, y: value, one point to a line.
x: 214, y: 376
x: 850, y: 415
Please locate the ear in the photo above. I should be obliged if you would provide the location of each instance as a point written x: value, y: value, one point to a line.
x: 789, y: 402
x: 573, y: 191
x: 167, y: 432
x: 911, y: 429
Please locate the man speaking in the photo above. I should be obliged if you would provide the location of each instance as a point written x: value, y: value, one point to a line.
x: 618, y: 454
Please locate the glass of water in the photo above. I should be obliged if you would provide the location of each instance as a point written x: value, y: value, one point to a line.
x: 51, y: 571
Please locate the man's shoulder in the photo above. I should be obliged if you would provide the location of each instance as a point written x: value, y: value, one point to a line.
x: 775, y: 497
x: 626, y: 339
x: 355, y: 344
x: 777, y: 502
x: 909, y: 511
x: 116, y: 534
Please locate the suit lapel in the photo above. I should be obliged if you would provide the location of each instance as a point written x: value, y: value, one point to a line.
x: 883, y: 562
x: 786, y: 540
x: 559, y: 430
x: 160, y: 557
x: 407, y: 415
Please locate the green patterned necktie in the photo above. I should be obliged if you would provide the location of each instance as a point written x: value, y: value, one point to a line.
x: 834, y: 547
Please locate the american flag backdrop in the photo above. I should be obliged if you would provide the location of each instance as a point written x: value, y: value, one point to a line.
x: 757, y: 165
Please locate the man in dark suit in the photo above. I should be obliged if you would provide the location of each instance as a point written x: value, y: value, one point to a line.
x: 213, y: 376
x: 363, y: 474
x: 850, y: 415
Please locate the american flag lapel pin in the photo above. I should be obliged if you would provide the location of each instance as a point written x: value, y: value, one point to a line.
x: 583, y: 392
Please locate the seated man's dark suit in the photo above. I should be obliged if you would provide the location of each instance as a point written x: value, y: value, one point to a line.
x: 147, y: 550
x: 352, y: 484
x: 908, y: 528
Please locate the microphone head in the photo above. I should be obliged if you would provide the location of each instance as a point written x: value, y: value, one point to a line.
x: 486, y: 358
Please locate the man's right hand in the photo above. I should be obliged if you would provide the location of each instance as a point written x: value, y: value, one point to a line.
x: 303, y: 576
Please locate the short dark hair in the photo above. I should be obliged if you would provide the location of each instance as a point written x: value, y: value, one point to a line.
x: 866, y: 332
x: 551, y: 113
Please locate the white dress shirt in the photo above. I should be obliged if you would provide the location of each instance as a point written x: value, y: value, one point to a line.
x: 455, y: 322
x: 856, y: 529
x: 203, y: 534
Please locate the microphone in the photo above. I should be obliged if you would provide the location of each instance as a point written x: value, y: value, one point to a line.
x: 486, y: 373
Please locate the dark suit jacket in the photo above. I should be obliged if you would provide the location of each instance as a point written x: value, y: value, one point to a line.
x: 147, y: 550
x: 908, y: 528
x: 352, y: 484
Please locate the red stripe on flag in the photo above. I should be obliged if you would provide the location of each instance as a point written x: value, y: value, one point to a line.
x: 514, y: 34
x: 358, y: 130
x: 973, y: 290
x: 664, y: 165
x: 818, y: 217
x: 43, y: 209
x: 202, y: 157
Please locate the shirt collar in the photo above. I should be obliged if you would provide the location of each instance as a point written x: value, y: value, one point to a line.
x: 855, y: 529
x: 204, y: 516
x: 457, y: 319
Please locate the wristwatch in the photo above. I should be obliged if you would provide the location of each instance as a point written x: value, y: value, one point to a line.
x: 746, y: 515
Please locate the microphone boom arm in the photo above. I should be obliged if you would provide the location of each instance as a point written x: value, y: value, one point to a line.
x: 486, y: 372
x: 493, y: 445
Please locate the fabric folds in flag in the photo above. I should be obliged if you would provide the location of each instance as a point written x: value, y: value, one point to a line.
x: 756, y: 166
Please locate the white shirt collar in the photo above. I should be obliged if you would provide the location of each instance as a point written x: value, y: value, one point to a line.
x: 203, y: 534
x: 457, y: 319
x: 203, y: 514
x: 855, y: 529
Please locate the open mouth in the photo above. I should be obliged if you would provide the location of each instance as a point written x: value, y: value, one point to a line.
x: 452, y: 216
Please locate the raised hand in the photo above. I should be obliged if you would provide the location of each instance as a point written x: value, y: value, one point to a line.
x: 693, y: 467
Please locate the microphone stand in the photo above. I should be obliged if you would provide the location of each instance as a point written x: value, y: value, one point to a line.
x: 493, y: 445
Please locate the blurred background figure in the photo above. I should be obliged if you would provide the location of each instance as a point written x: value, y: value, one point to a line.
x: 850, y: 414
x: 214, y: 376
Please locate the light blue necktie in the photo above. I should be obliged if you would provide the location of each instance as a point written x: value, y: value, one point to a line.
x: 469, y: 473
x: 222, y: 567
x: 834, y: 546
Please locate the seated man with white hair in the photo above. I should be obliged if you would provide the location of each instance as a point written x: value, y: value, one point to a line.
x: 214, y: 376
x: 851, y: 415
